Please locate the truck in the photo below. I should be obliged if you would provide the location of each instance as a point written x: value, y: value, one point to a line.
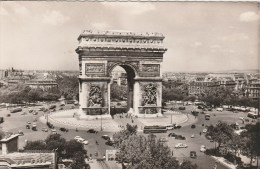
x: 15, y: 110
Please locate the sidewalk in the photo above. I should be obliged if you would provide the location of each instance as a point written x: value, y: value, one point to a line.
x: 224, y: 162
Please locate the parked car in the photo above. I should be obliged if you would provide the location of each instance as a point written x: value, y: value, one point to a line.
x: 64, y: 129
x: 177, y: 126
x: 219, y: 109
x: 193, y: 126
x: 182, y: 108
x: 85, y: 142
x: 163, y: 139
x: 92, y: 131
x: 180, y: 137
x: 202, y: 148
x: 28, y: 126
x: 110, y: 143
x: 45, y: 129
x: 204, y: 130
x: 193, y: 154
x: 192, y: 136
x: 20, y: 132
x: 172, y: 135
x: 77, y: 138
x: 106, y: 137
x: 181, y: 145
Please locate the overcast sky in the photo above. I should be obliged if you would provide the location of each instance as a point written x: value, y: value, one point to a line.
x: 200, y: 36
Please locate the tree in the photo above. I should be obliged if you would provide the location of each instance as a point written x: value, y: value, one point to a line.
x: 35, y: 145
x: 79, y: 161
x: 251, y: 140
x: 55, y: 142
x: 71, y: 147
x: 124, y: 134
x: 146, y: 153
x: 222, y: 133
x: 188, y: 165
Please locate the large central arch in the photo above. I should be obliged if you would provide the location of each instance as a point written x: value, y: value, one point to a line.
x: 140, y: 54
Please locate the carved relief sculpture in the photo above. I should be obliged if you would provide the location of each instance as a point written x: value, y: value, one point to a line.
x: 95, y: 97
x: 151, y: 67
x: 149, y: 95
x: 91, y: 68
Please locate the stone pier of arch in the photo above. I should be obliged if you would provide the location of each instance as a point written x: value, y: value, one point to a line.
x: 140, y: 54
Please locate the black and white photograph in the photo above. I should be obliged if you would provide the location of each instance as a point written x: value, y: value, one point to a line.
x: 129, y: 85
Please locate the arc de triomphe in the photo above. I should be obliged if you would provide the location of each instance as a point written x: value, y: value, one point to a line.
x: 140, y: 54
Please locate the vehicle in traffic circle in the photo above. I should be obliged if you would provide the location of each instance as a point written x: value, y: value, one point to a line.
x: 106, y: 137
x: 193, y: 154
x: 85, y: 142
x: 177, y: 126
x: 16, y: 110
x: 219, y: 109
x: 192, y: 136
x: 54, y: 131
x: 155, y: 129
x: 207, y: 117
x: 180, y: 137
x: 45, y: 129
x: 181, y: 145
x: 163, y: 139
x: 204, y: 131
x: 170, y: 126
x: 172, y: 135
x: 20, y: 132
x: 182, y: 108
x: 202, y: 148
x: 193, y: 126
x: 92, y: 131
x: 64, y: 129
x: 252, y: 115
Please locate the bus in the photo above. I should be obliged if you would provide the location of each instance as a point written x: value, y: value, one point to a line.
x: 15, y: 110
x: 155, y: 129
x: 207, y: 117
x: 252, y: 115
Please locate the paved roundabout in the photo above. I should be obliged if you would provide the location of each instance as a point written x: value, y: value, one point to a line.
x: 67, y: 118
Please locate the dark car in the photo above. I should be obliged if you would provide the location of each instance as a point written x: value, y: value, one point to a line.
x: 28, y: 126
x: 64, y: 129
x: 106, y: 137
x: 180, y: 137
x: 8, y: 115
x: 193, y: 126
x: 177, y: 127
x: 172, y: 135
x: 193, y: 154
x: 110, y: 143
x: 182, y: 108
x: 92, y: 131
x: 200, y: 107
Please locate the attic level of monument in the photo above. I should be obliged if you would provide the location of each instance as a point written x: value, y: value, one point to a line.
x: 120, y: 43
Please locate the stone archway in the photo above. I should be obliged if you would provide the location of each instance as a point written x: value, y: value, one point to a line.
x: 140, y: 54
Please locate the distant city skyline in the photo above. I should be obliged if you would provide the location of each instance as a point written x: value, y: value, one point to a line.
x: 199, y: 36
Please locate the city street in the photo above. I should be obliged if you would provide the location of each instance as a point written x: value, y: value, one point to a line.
x: 17, y: 122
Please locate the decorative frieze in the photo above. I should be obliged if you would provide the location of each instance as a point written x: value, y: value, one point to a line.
x: 94, y: 68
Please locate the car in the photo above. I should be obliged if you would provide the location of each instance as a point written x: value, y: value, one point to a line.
x: 35, y: 113
x: 172, y: 135
x: 8, y: 115
x: 204, y: 131
x: 45, y: 129
x: 77, y: 137
x: 193, y: 154
x: 106, y: 137
x: 170, y: 127
x: 219, y: 109
x: 28, y: 122
x: 92, y: 131
x: 20, y: 132
x: 62, y: 104
x: 54, y: 131
x: 41, y: 109
x: 182, y: 108
x: 192, y: 136
x: 163, y: 139
x: 180, y: 137
x: 110, y: 143
x: 181, y: 145
x: 85, y: 142
x: 61, y: 108
x: 30, y: 110
x: 202, y: 148
x: 193, y: 126
x: 64, y: 129
x: 200, y: 107
x: 28, y: 126
x: 177, y: 126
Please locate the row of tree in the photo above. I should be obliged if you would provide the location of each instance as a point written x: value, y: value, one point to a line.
x: 64, y: 149
x: 247, y: 142
x: 140, y: 152
x: 212, y: 96
x: 17, y: 94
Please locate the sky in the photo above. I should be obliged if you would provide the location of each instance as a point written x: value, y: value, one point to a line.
x: 199, y: 36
